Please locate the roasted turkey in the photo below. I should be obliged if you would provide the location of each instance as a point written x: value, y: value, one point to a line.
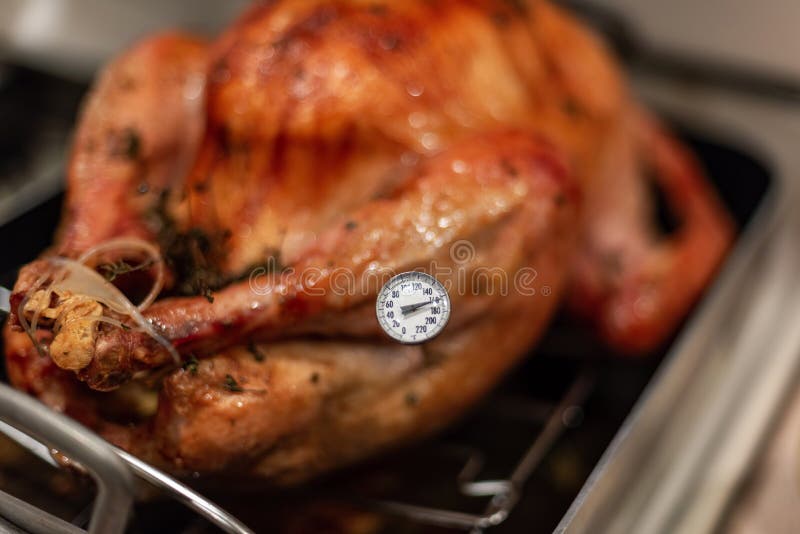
x: 190, y: 308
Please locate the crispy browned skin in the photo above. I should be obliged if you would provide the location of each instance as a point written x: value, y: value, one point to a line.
x: 359, y: 137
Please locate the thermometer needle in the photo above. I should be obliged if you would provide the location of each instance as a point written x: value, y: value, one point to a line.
x: 408, y: 308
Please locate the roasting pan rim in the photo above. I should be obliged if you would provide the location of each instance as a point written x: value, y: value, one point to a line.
x: 684, y: 100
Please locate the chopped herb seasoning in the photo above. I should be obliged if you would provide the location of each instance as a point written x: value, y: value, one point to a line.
x: 351, y: 225
x: 411, y: 399
x: 256, y: 352
x: 194, y: 255
x: 232, y: 385
x: 114, y: 269
x: 314, y: 377
x: 272, y: 262
x: 126, y: 144
x: 143, y: 188
x: 191, y: 365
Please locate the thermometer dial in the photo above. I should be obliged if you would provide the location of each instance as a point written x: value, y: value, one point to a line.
x: 413, y: 307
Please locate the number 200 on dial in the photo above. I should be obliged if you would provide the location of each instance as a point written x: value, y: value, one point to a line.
x: 413, y: 307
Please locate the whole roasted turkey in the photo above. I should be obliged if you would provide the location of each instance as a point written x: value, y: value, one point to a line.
x: 217, y: 192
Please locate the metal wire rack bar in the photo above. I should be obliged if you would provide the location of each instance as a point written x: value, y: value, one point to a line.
x: 40, y: 429
x: 504, y: 493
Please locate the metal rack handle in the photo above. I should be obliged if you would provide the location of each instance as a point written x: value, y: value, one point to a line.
x: 117, y: 493
x: 112, y: 505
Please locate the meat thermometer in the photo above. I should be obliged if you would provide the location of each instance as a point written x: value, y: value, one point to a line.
x: 413, y: 307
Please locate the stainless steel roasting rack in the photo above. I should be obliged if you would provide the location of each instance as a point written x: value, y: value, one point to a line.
x: 43, y: 431
x: 503, y: 493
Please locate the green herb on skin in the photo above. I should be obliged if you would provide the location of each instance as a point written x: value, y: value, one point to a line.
x: 191, y: 365
x: 256, y: 352
x: 194, y: 255
x: 208, y: 295
x: 126, y: 144
x: 111, y: 271
x: 232, y: 385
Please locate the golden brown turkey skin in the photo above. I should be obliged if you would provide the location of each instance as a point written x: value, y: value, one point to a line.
x: 327, y: 401
x: 329, y: 137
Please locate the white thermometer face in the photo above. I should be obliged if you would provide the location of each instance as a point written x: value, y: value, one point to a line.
x: 413, y: 307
